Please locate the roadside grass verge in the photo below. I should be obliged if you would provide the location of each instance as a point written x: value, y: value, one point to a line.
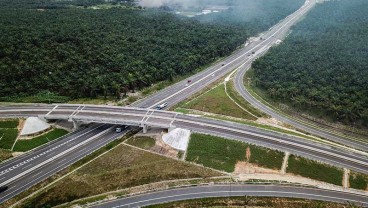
x: 249, y: 201
x: 223, y: 154
x: 8, y: 137
x: 242, y: 102
x: 120, y: 168
x: 358, y: 181
x: 25, y: 145
x: 9, y: 123
x: 216, y: 101
x: 141, y: 142
x: 314, y: 170
x: 5, y: 154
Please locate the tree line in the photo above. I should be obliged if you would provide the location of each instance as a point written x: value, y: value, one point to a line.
x: 322, y: 66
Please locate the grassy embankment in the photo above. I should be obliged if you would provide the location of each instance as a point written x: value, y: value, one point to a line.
x: 358, y: 181
x: 223, y: 154
x: 141, y: 142
x: 25, y: 145
x: 8, y: 135
x: 120, y: 168
x: 315, y: 170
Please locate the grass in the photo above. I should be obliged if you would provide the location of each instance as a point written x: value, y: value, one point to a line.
x: 9, y: 123
x: 8, y: 137
x: 5, y: 154
x: 120, y: 168
x: 242, y: 102
x: 216, y: 101
x: 315, y: 170
x: 358, y: 181
x: 223, y: 154
x: 25, y: 145
x: 142, y: 142
x: 248, y: 201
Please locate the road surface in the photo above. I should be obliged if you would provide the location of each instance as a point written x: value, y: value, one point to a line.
x: 179, y: 194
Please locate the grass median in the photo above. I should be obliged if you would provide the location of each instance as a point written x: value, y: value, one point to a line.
x: 358, y: 181
x: 315, y: 170
x: 223, y: 154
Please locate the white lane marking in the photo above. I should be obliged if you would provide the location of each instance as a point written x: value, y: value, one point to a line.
x: 71, y: 162
x: 51, y: 110
x: 54, y: 157
x: 45, y: 152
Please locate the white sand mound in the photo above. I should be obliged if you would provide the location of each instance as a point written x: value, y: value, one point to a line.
x: 33, y: 125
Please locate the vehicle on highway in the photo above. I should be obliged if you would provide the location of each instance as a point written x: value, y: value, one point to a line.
x: 118, y: 130
x: 161, y: 106
x: 189, y: 81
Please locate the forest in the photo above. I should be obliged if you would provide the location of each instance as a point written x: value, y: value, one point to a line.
x: 322, y: 66
x: 63, y: 49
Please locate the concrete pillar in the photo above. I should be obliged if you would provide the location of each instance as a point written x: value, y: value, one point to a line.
x: 76, y: 124
x: 144, y: 128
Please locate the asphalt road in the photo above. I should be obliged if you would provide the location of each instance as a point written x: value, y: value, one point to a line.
x: 136, y: 116
x: 179, y: 91
x: 25, y: 171
x: 171, y: 195
x: 315, y: 130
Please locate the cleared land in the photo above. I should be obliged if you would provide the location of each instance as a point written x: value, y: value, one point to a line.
x: 358, y: 181
x: 314, y: 170
x: 258, y: 202
x: 120, y: 168
x: 223, y: 154
x: 142, y: 142
x: 25, y: 145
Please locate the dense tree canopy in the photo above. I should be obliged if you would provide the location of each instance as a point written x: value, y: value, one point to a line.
x: 323, y: 64
x: 51, y: 46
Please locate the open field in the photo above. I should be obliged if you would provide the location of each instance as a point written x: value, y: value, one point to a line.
x: 358, y: 181
x: 216, y: 101
x: 314, y: 170
x: 223, y: 154
x: 253, y: 202
x: 25, y: 145
x: 142, y: 142
x: 120, y: 168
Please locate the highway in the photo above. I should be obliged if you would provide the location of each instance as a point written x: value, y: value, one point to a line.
x: 179, y: 91
x: 18, y: 177
x: 25, y: 171
x: 340, y: 157
x: 179, y: 194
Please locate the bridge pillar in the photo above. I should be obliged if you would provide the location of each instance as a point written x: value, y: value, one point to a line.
x: 76, y: 124
x: 144, y: 128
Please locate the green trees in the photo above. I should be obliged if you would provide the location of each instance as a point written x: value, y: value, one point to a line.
x: 61, y: 48
x: 322, y: 66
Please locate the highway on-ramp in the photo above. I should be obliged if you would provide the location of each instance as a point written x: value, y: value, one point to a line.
x: 180, y: 194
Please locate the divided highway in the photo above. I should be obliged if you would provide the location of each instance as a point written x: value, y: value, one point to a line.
x: 25, y: 171
x: 179, y: 194
x: 21, y: 173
